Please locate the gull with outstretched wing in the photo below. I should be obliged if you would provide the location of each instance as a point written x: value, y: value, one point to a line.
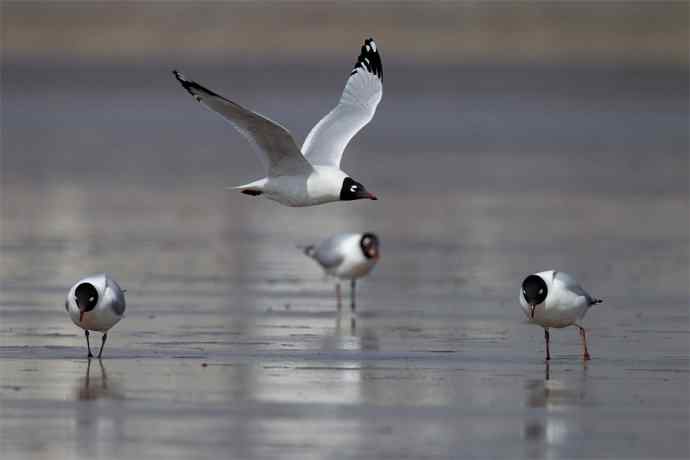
x: 312, y: 175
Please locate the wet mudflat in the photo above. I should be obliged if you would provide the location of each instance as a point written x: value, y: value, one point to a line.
x: 232, y: 344
x: 281, y: 385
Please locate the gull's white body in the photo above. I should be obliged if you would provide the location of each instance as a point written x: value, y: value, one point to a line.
x: 108, y: 311
x: 341, y: 256
x: 320, y: 186
x: 566, y: 301
x: 310, y: 175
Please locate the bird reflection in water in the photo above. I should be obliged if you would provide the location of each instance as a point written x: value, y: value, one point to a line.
x: 345, y: 336
x: 97, y: 388
x: 340, y: 327
x: 553, y: 426
x: 100, y: 414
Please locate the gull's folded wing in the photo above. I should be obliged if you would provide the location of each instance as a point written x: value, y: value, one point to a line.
x: 573, y: 286
x: 331, y: 252
x: 327, y: 140
x: 274, y: 143
x: 328, y: 258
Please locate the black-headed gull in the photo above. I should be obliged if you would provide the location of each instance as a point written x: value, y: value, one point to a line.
x: 96, y: 303
x: 554, y: 299
x: 312, y: 175
x: 346, y: 256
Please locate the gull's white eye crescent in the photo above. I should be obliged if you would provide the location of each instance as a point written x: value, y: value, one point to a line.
x: 353, y: 188
x: 541, y: 291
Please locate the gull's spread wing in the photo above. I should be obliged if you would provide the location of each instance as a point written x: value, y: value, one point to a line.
x: 274, y: 143
x: 327, y: 140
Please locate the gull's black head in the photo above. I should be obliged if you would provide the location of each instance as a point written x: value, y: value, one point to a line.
x: 534, y: 290
x: 353, y: 190
x: 370, y: 246
x: 86, y: 297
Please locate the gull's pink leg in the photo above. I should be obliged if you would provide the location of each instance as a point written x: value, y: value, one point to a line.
x: 585, y: 354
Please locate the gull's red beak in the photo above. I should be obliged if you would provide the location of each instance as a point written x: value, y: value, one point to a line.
x: 372, y: 196
x: 81, y: 310
x: 531, y: 310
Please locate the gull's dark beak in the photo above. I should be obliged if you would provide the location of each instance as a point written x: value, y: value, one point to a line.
x: 531, y: 311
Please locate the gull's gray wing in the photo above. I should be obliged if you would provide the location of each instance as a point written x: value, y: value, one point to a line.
x: 118, y: 300
x: 327, y: 140
x: 330, y: 252
x: 273, y: 142
x: 328, y: 259
x: 573, y: 286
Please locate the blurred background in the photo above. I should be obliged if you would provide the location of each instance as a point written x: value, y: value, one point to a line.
x: 512, y: 137
x: 489, y: 108
x: 438, y: 32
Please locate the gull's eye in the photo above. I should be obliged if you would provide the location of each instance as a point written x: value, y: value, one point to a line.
x: 541, y: 291
x: 353, y: 188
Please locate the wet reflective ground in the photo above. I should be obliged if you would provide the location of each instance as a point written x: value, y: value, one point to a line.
x: 232, y: 345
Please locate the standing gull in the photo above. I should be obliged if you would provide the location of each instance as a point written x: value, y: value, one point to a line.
x: 346, y: 256
x: 96, y: 303
x: 554, y: 299
x: 312, y: 175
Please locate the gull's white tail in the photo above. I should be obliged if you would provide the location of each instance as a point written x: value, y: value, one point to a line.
x: 255, y: 188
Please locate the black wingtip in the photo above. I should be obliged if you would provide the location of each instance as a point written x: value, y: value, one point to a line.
x: 369, y: 59
x: 178, y: 75
x: 309, y: 250
x: 183, y: 81
x: 192, y: 85
x: 596, y: 301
